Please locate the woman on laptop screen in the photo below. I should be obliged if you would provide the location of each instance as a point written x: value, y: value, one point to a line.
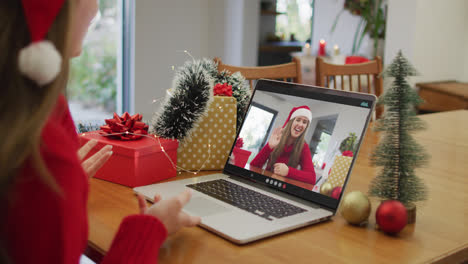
x: 286, y: 149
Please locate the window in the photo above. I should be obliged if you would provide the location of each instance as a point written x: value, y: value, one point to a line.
x: 256, y: 128
x: 321, y: 150
x: 297, y: 20
x: 320, y: 142
x: 99, y: 84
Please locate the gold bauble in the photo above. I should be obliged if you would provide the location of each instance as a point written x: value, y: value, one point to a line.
x: 326, y: 188
x: 355, y: 207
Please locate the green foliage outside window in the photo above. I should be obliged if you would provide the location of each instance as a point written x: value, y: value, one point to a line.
x: 93, y: 75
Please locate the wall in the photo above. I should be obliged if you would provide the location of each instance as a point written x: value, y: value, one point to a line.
x: 401, y: 29
x: 205, y: 28
x: 440, y: 39
x: 325, y: 14
x: 163, y: 29
x: 432, y: 34
x: 251, y: 35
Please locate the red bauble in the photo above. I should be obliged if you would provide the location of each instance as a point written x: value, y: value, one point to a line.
x: 391, y: 216
x: 336, y: 192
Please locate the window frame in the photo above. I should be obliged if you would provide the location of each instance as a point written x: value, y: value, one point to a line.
x: 126, y: 65
x: 275, y: 114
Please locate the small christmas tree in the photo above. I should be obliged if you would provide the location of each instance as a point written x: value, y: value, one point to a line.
x: 398, y: 153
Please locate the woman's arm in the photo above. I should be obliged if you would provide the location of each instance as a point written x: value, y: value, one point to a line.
x: 262, y: 156
x: 137, y: 241
x: 307, y: 171
x: 140, y: 236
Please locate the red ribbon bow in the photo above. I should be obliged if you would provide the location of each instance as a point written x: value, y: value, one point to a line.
x: 127, y: 127
x: 223, y: 89
x: 239, y: 143
x: 347, y: 153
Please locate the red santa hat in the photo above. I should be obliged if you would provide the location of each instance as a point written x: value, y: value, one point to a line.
x: 299, y: 111
x: 40, y: 61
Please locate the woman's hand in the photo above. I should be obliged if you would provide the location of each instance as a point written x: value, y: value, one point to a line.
x: 169, y: 211
x: 95, y: 162
x: 280, y: 169
x: 275, y: 137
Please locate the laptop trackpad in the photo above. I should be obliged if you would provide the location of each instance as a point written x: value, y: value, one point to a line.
x: 201, y: 206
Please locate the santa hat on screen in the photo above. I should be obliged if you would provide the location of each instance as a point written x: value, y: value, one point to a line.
x: 299, y: 111
x: 40, y: 61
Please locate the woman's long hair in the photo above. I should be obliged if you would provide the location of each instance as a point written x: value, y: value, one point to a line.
x: 24, y: 105
x: 298, y: 144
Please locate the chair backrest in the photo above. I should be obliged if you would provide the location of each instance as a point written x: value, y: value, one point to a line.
x: 358, y: 77
x: 291, y: 71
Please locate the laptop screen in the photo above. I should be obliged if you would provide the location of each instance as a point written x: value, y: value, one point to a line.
x: 300, y: 139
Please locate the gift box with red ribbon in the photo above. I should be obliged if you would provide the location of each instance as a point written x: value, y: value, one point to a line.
x: 138, y: 159
x: 241, y: 156
x: 212, y: 139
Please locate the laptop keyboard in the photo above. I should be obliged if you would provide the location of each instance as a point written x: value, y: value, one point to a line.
x: 246, y: 199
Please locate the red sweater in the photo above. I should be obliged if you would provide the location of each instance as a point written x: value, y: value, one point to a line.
x: 305, y: 174
x: 42, y: 226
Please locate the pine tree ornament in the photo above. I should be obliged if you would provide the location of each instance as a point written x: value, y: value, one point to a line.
x: 397, y: 152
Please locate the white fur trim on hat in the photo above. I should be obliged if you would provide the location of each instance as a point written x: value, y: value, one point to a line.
x: 302, y: 112
x: 40, y: 62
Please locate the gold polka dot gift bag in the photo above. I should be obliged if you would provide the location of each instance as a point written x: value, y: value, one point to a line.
x: 211, y: 141
x: 339, y: 170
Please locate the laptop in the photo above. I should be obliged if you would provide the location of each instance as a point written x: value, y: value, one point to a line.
x: 251, y: 199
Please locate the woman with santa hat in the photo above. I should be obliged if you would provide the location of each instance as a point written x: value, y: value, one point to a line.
x: 286, y: 153
x: 43, y: 177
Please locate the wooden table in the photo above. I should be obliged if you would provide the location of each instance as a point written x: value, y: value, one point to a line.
x: 439, y: 235
x: 443, y: 96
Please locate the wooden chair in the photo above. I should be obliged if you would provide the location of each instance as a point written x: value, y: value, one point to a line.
x: 282, y: 72
x: 327, y: 73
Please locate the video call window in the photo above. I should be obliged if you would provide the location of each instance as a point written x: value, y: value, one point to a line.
x: 300, y: 141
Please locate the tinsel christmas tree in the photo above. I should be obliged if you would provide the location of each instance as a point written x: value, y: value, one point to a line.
x: 191, y: 95
x: 398, y: 153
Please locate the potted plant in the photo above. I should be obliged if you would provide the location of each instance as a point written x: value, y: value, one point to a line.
x: 349, y: 144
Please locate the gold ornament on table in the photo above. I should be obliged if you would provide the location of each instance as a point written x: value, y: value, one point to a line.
x: 355, y: 208
x: 326, y: 188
